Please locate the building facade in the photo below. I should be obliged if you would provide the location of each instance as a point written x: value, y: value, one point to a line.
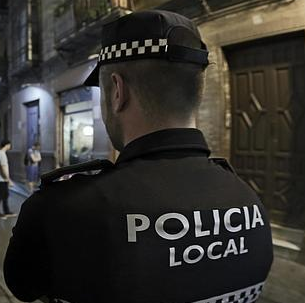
x: 50, y: 55
x: 53, y: 47
x: 4, y: 101
x: 255, y: 97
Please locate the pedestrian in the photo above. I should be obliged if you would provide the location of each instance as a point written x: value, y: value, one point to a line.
x: 5, y: 180
x: 164, y: 223
x: 33, y: 157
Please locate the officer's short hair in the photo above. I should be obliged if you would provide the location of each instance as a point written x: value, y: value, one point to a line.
x: 163, y: 88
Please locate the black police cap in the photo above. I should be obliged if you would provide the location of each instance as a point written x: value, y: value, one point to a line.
x: 147, y: 35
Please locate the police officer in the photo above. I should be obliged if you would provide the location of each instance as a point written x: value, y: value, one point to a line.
x: 164, y: 223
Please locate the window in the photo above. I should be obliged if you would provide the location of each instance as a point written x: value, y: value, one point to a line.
x: 78, y: 132
x: 78, y: 125
x: 73, y: 15
x: 23, y: 32
x: 90, y: 10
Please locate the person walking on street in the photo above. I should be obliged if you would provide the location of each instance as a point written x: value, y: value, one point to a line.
x: 165, y: 222
x: 33, y: 164
x: 5, y: 180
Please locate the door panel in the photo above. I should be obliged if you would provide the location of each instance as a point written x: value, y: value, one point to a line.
x: 268, y: 110
x: 249, y: 125
x: 32, y: 124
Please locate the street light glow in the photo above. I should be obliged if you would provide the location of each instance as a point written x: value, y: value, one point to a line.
x: 88, y: 130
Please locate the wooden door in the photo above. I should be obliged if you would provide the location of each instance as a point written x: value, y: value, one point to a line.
x: 268, y: 129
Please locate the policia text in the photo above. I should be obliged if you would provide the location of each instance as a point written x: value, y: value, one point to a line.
x: 233, y: 220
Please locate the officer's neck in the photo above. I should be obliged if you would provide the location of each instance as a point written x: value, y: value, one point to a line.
x: 141, y: 128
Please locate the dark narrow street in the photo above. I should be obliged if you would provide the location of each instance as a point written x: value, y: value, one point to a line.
x: 246, y: 103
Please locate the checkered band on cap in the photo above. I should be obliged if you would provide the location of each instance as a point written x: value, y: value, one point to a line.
x: 245, y: 295
x: 138, y: 48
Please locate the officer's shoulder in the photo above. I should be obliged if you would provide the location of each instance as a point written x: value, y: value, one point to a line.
x: 64, y: 173
x: 222, y: 162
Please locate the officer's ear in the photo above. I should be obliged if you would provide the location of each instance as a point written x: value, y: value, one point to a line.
x: 120, y: 93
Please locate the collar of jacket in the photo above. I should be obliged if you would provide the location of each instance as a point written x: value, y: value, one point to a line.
x: 165, y: 140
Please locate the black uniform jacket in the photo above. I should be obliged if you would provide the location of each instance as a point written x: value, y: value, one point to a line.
x: 165, y: 224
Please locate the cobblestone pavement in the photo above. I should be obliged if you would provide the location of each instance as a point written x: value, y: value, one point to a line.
x: 285, y: 284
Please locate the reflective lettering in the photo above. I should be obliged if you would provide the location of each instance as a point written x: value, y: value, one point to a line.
x: 210, y: 251
x: 257, y: 217
x: 227, y: 220
x: 242, y: 249
x: 247, y: 217
x: 133, y: 228
x: 159, y: 226
x: 187, y: 251
x: 172, y: 254
x: 216, y: 221
x: 198, y: 226
x: 231, y: 248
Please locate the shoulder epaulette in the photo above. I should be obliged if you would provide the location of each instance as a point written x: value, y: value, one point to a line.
x: 223, y: 163
x: 58, y: 173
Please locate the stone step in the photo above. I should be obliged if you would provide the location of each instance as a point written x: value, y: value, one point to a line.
x: 287, y: 241
x: 287, y: 234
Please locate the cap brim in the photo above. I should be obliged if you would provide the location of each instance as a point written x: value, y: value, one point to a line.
x: 93, y: 78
